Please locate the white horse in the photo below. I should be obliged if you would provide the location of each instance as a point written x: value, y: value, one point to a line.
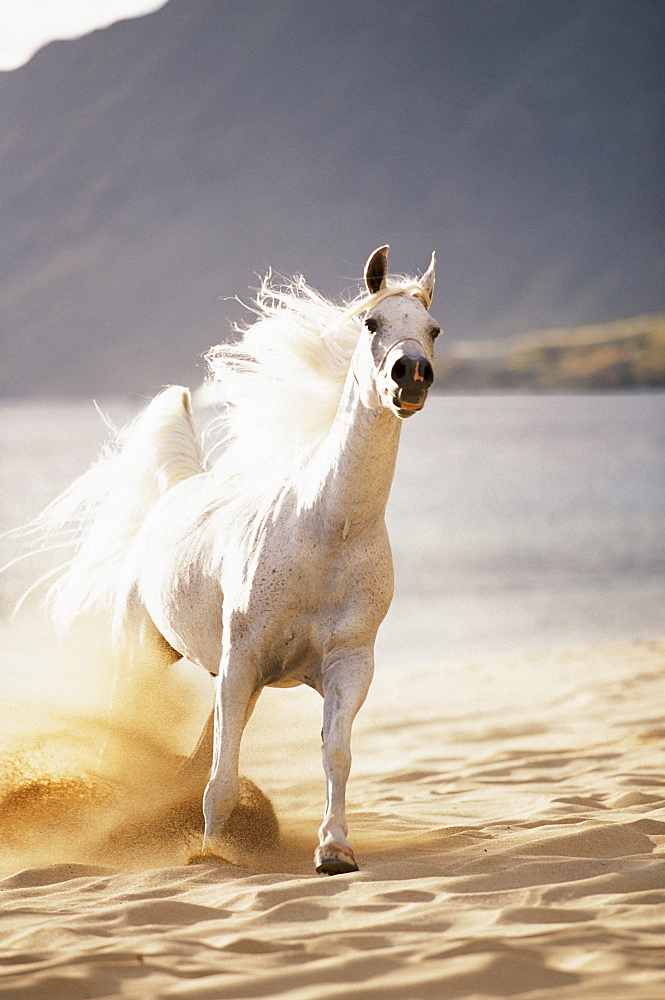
x: 270, y: 564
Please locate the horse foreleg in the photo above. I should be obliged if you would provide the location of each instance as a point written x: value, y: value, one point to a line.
x: 235, y: 698
x: 345, y: 685
x: 195, y: 769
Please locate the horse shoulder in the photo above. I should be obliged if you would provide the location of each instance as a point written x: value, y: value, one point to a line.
x: 359, y: 589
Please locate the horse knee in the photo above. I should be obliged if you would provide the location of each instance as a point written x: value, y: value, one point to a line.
x: 337, y: 758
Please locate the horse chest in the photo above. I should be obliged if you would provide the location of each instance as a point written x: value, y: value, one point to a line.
x: 312, y: 595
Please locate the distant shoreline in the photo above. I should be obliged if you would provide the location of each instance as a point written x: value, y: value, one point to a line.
x: 623, y: 355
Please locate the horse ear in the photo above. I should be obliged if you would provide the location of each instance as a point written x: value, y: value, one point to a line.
x: 376, y: 269
x: 429, y: 277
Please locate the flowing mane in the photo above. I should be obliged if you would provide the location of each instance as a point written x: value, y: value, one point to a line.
x: 266, y: 561
x: 280, y: 383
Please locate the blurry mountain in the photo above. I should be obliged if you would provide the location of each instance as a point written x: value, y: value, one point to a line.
x: 151, y: 169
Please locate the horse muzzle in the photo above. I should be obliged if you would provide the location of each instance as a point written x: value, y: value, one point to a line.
x: 411, y: 376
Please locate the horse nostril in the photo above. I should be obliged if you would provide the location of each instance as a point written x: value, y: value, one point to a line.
x: 412, y: 372
x: 399, y: 371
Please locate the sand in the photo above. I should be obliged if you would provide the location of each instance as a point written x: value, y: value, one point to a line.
x: 507, y: 814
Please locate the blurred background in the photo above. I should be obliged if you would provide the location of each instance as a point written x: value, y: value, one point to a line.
x: 153, y: 166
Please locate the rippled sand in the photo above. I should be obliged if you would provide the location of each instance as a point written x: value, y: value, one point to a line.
x: 507, y: 814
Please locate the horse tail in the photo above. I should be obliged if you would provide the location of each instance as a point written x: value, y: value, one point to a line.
x: 99, y: 515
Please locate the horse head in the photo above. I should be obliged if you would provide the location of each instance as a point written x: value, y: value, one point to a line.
x: 397, y: 353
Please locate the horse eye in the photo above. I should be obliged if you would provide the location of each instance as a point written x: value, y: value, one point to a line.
x: 371, y: 324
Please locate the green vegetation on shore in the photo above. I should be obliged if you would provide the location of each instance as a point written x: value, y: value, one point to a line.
x: 624, y: 354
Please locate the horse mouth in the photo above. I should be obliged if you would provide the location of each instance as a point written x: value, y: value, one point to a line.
x: 410, y: 408
x: 404, y: 408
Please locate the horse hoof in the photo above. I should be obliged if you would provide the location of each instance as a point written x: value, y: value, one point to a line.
x: 334, y: 859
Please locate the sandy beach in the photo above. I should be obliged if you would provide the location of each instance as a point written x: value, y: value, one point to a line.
x: 507, y: 813
x: 167, y: 166
x: 507, y: 792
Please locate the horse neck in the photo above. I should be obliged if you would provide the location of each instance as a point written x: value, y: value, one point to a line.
x: 351, y: 475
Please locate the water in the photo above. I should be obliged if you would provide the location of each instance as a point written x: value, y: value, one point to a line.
x: 517, y: 522
x: 526, y: 522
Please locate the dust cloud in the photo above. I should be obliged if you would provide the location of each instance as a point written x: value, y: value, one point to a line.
x: 79, y: 783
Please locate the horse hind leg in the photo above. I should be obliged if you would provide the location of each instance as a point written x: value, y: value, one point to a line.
x: 194, y: 772
x: 142, y: 657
